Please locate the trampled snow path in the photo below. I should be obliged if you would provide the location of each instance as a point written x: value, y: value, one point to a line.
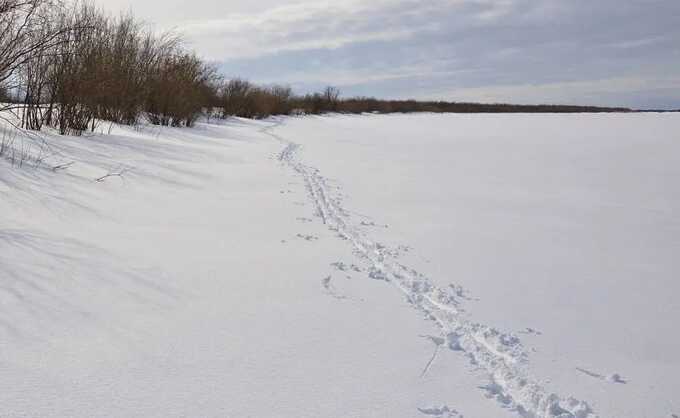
x: 501, y: 355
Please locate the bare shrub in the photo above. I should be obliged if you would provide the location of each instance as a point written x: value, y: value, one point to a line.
x: 236, y: 98
x: 19, y: 151
x: 4, y: 96
x: 74, y: 66
x: 179, y: 89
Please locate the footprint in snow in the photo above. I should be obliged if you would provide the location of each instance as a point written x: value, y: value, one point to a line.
x: 495, y: 391
x: 330, y: 289
x: 308, y: 237
x: 345, y: 268
x: 612, y: 378
x: 377, y: 274
x: 531, y: 331
x: 440, y: 412
x: 340, y: 266
x: 373, y: 224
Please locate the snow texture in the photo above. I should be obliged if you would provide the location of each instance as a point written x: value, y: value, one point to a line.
x: 284, y: 268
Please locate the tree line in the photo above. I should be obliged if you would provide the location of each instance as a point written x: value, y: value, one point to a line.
x: 71, y: 66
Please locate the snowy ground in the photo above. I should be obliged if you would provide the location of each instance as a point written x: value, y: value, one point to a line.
x: 346, y: 266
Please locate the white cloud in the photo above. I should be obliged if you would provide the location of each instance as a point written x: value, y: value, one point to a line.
x: 326, y: 24
x: 638, y: 43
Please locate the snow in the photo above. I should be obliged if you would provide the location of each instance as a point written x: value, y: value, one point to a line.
x: 366, y: 266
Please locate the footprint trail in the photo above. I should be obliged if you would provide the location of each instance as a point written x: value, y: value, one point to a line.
x: 502, y: 356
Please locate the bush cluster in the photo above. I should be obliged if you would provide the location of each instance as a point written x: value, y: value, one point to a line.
x: 72, y: 66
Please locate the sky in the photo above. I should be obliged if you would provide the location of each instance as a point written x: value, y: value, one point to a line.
x: 595, y: 52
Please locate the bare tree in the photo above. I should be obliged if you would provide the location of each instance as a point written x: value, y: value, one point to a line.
x: 23, y: 35
x: 331, y: 96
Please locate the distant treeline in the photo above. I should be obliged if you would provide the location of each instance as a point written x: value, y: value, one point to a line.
x: 71, y: 66
x: 244, y: 99
x: 355, y: 105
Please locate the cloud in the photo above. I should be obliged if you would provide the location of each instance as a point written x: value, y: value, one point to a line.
x: 541, y: 50
x: 334, y: 24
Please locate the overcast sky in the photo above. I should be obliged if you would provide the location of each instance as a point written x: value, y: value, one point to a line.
x: 605, y: 52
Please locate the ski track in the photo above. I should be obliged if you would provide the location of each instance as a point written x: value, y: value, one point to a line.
x: 502, y: 356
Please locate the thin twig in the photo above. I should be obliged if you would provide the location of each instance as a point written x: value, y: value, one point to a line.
x: 120, y: 174
x: 63, y: 166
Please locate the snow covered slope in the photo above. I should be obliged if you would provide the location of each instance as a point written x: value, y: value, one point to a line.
x: 346, y: 266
